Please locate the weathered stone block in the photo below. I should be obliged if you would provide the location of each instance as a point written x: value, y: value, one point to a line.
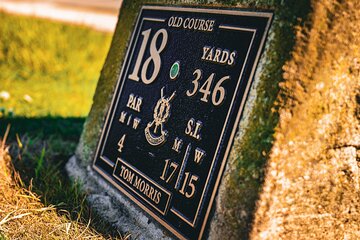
x: 233, y: 211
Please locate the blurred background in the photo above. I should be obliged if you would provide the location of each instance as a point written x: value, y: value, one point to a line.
x: 51, y: 55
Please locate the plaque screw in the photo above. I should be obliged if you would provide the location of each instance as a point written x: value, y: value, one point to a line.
x: 175, y: 70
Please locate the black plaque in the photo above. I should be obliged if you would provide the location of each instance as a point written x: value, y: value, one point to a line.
x: 176, y: 108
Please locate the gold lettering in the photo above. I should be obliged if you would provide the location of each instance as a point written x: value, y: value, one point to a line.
x: 156, y: 192
x: 189, y: 126
x: 142, y: 186
x: 205, y: 50
x: 146, y: 189
x: 131, y: 177
x: 121, y: 143
x: 201, y: 27
x: 177, y: 145
x: 151, y: 193
x: 131, y: 99
x: 217, y: 55
x: 128, y: 175
x: 232, y: 58
x: 179, y: 21
x: 199, y: 155
x: 122, y: 117
x: 193, y: 129
x: 158, y: 196
x: 224, y: 56
x: 137, y: 182
x: 210, y: 55
x: 136, y: 123
x: 197, y: 130
x: 134, y: 102
x: 138, y: 104
x: 185, y: 22
x: 129, y: 120
x: 122, y: 170
x: 211, y: 26
x: 206, y: 25
x: 198, y: 24
x: 132, y: 105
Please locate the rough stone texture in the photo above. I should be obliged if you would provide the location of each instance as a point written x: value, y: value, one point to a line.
x: 311, y: 189
x: 112, y: 206
x: 243, y: 177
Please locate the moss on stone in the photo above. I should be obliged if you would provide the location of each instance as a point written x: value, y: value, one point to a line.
x: 245, y: 170
x: 311, y: 189
x: 107, y: 82
x: 248, y: 158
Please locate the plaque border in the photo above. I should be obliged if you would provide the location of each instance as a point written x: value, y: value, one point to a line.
x: 117, y: 93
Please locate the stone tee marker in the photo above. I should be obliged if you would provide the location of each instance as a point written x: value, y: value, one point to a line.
x: 162, y: 127
x: 176, y: 108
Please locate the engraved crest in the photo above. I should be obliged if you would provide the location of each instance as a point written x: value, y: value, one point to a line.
x: 161, y: 115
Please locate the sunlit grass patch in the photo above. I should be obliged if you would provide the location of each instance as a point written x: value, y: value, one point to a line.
x: 48, y: 68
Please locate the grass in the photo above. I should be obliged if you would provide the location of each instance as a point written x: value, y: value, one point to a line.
x: 40, y: 163
x: 48, y: 68
x: 23, y: 213
x: 48, y: 74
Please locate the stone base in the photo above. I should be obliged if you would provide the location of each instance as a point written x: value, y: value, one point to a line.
x: 235, y: 204
x: 113, y: 207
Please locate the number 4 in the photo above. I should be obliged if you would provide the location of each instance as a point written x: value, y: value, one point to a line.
x: 205, y: 88
x: 121, y: 143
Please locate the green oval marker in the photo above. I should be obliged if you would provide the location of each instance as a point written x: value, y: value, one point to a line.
x: 175, y: 70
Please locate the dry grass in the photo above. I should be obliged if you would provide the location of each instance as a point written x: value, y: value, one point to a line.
x: 24, y: 216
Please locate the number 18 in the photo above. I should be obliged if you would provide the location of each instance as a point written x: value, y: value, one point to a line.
x: 154, y: 56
